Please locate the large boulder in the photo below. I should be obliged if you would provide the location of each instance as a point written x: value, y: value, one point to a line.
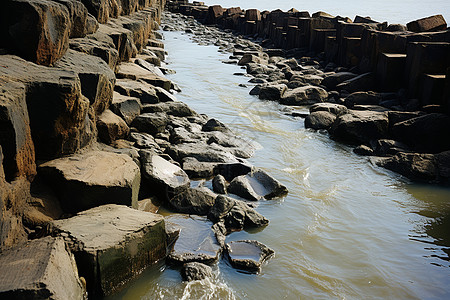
x: 97, y: 79
x: 136, y: 72
x: 360, y: 127
x: 335, y: 109
x: 333, y: 80
x: 145, y: 92
x: 112, y: 244
x: 200, y: 151
x: 256, y: 185
x: 78, y: 15
x: 197, y: 201
x: 304, y: 95
x: 362, y: 98
x: 37, y: 30
x: 416, y: 166
x: 272, y: 92
x: 433, y: 23
x: 196, y: 271
x: 151, y: 123
x: 111, y: 127
x: 103, y: 48
x: 15, y: 133
x: 58, y: 112
x: 93, y: 178
x: 40, y: 269
x: 248, y: 255
x: 100, y: 9
x: 128, y: 108
x: 427, y: 133
x: 319, y: 120
x: 363, y: 82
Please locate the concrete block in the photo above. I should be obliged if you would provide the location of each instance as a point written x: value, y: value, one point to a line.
x: 433, y: 23
x: 112, y: 244
x: 432, y: 89
x: 390, y: 71
x: 318, y: 38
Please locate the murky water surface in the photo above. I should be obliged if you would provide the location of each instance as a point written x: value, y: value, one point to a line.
x: 347, y: 229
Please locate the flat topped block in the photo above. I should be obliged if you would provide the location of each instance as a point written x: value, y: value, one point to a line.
x: 390, y: 71
x: 40, y: 269
x: 112, y: 244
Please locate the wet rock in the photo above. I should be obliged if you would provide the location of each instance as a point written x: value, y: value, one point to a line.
x: 172, y: 233
x: 219, y: 184
x: 335, y: 109
x: 200, y: 151
x: 363, y: 82
x: 214, y: 125
x: 135, y: 72
x: 232, y: 170
x: 141, y: 90
x: 163, y: 176
x: 97, y: 79
x: 196, y: 271
x: 360, y: 126
x: 248, y: 255
x: 36, y: 30
x: 112, y: 244
x: 111, y: 127
x: 416, y: 166
x: 196, y: 169
x: 15, y: 133
x: 196, y: 243
x: 319, y: 120
x: 428, y: 133
x: 128, y: 108
x: 362, y: 98
x: 385, y: 147
x: 363, y: 150
x: 196, y: 201
x: 272, y: 92
x: 241, y: 187
x: 41, y: 268
x: 151, y: 123
x: 333, y: 80
x: 305, y: 95
x: 93, y: 178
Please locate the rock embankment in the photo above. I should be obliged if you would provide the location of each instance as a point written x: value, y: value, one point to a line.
x: 93, y: 141
x: 384, y: 88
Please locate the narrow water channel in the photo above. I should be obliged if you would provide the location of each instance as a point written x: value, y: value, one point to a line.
x: 347, y: 229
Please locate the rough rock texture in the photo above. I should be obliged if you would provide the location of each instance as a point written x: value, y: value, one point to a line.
x: 272, y: 92
x: 196, y: 271
x: 200, y: 152
x: 219, y: 184
x: 433, y: 23
x: 151, y: 123
x: 248, y: 255
x: 304, y: 96
x: 112, y: 244
x: 103, y: 48
x: 37, y: 30
x: 111, y: 127
x: 15, y: 137
x: 335, y: 109
x: 319, y: 120
x: 196, y: 201
x: 145, y: 92
x: 256, y: 185
x: 196, y: 169
x: 422, y: 167
x: 135, y: 72
x: 78, y: 16
x: 128, y: 108
x: 40, y: 269
x: 93, y: 178
x: 232, y: 170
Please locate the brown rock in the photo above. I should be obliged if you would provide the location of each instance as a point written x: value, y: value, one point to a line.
x: 128, y: 108
x: 111, y: 127
x: 78, y: 16
x: 433, y: 23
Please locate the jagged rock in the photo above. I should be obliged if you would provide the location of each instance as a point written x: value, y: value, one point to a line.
x: 319, y: 120
x: 160, y: 53
x: 249, y: 58
x: 163, y: 176
x: 241, y: 187
x: 196, y: 242
x: 433, y: 23
x: 362, y: 98
x: 308, y: 79
x: 196, y: 271
x: 91, y: 25
x: 178, y: 109
x: 144, y: 141
x: 360, y: 126
x: 15, y: 133
x: 335, y: 109
x: 37, y: 30
x: 135, y: 72
x: 415, y: 166
x: 112, y: 244
x: 201, y: 152
x: 219, y: 184
x: 145, y: 92
x: 248, y: 255
x: 121, y: 37
x: 428, y: 133
x: 256, y: 185
x: 58, y: 113
x: 197, y: 201
x: 103, y: 48
x: 304, y: 96
x: 111, y: 127
x: 363, y: 82
x: 128, y: 108
x: 151, y: 123
x: 78, y: 16
x: 98, y: 8
x: 272, y: 92
x: 172, y: 233
x: 214, y: 125
x: 149, y: 67
x: 97, y: 79
x: 363, y: 150
x: 232, y: 170
x: 333, y: 80
x: 385, y: 147
x: 164, y: 96
x: 41, y: 268
x: 196, y: 169
x: 90, y: 179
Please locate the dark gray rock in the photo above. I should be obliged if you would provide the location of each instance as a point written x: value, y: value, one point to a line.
x: 128, y: 108
x: 305, y: 95
x: 151, y: 123
x: 196, y: 201
x: 200, y: 151
x: 363, y: 82
x: 416, y: 166
x: 363, y: 150
x: 144, y: 141
x: 196, y: 271
x: 178, y: 109
x: 319, y: 120
x: 362, y: 98
x: 333, y: 80
x: 196, y: 169
x: 214, y: 125
x: 219, y: 184
x: 248, y: 255
x: 241, y: 187
x: 335, y: 109
x: 141, y: 90
x: 272, y: 91
x: 232, y: 170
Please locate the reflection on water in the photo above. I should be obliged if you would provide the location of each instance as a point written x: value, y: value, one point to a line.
x: 347, y: 229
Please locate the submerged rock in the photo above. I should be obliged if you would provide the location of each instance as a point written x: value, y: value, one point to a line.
x: 248, y: 255
x: 196, y: 271
x: 196, y: 201
x: 256, y: 185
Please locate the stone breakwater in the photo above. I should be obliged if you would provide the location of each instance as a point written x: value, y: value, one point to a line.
x: 384, y: 88
x: 93, y: 141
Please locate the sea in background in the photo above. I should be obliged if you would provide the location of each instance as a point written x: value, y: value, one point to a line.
x: 394, y: 12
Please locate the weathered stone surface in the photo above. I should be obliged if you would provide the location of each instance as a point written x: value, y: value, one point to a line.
x: 363, y: 150
x: 433, y: 23
x: 90, y: 179
x: 97, y: 79
x: 111, y: 127
x: 100, y: 9
x: 196, y: 169
x: 196, y: 271
x: 333, y: 80
x: 219, y: 184
x: 386, y: 147
x: 93, y: 45
x: 362, y: 98
x: 196, y: 201
x: 304, y: 96
x: 335, y: 109
x: 214, y: 125
x: 415, y: 166
x: 112, y: 244
x: 162, y: 175
x: 360, y: 126
x: 149, y: 67
x: 37, y: 30
x: 58, y: 112
x: 319, y: 120
x: 15, y: 133
x: 145, y: 92
x: 363, y: 82
x: 151, y: 123
x: 232, y: 170
x: 177, y: 109
x: 91, y: 25
x: 248, y: 255
x: 196, y: 242
x: 78, y: 16
x: 144, y: 141
x: 135, y: 72
x: 128, y: 108
x: 201, y: 152
x: 40, y: 269
x: 272, y: 92
x: 121, y: 37
x: 428, y: 133
x: 241, y: 187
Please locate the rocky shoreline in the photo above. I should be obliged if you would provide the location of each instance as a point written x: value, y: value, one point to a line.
x: 383, y: 88
x: 93, y: 141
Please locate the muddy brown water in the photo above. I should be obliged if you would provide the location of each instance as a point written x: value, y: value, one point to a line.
x: 347, y: 229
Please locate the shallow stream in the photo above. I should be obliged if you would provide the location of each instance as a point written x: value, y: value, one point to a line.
x: 347, y: 229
